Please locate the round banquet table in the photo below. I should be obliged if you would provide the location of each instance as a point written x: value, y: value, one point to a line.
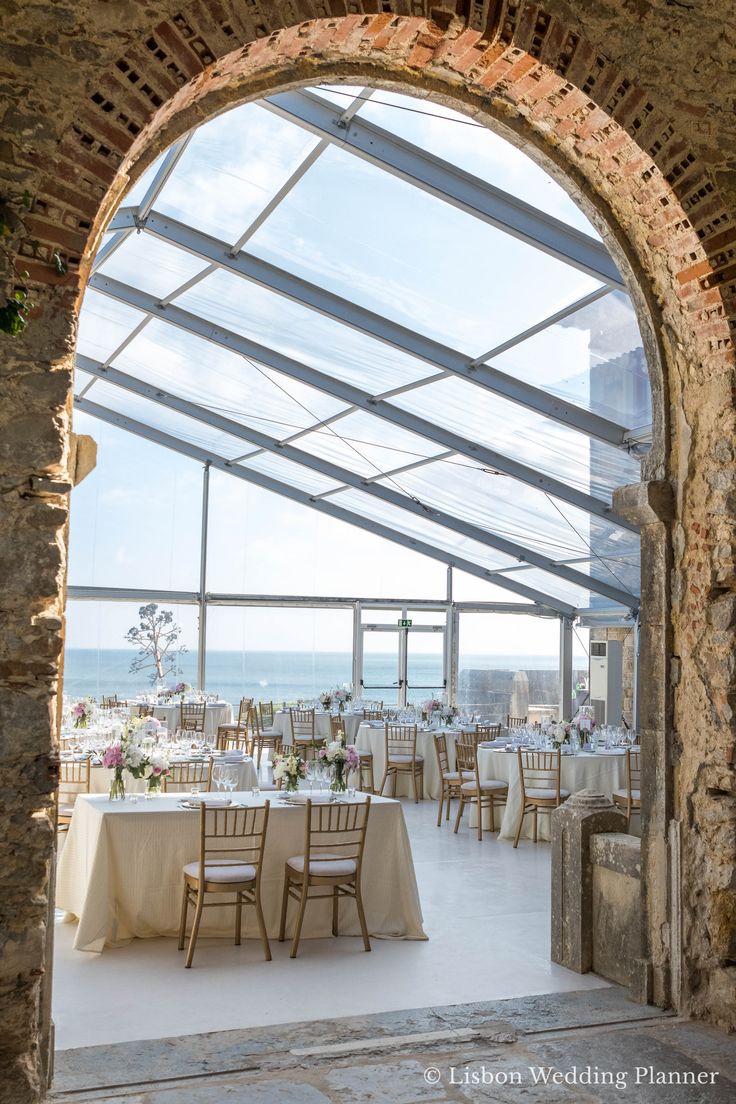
x: 101, y: 777
x: 371, y: 737
x: 350, y: 723
x: 215, y: 714
x: 601, y: 771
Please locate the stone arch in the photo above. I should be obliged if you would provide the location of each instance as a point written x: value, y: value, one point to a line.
x: 532, y: 71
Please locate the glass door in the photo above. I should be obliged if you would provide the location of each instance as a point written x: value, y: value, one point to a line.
x: 403, y: 658
x: 380, y: 663
x: 425, y: 662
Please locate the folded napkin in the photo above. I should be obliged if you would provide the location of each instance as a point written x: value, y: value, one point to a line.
x: 209, y: 799
x: 231, y: 757
x: 301, y: 797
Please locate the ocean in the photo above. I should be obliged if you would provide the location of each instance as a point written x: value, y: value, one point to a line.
x: 279, y: 676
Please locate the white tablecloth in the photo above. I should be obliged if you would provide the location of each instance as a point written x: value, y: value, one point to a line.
x: 602, y: 772
x: 350, y: 724
x: 215, y: 714
x: 101, y: 777
x: 371, y: 737
x: 120, y: 873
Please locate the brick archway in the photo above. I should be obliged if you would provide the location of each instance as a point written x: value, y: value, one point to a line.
x: 659, y: 206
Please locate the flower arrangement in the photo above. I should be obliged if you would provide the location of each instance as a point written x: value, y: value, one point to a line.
x: 325, y: 699
x: 82, y: 712
x: 150, y: 726
x: 584, y: 719
x: 182, y: 688
x: 448, y: 713
x: 290, y: 768
x: 342, y: 758
x: 432, y: 705
x: 342, y: 696
x: 129, y: 755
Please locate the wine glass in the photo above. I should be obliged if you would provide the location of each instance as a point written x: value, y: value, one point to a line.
x: 218, y: 775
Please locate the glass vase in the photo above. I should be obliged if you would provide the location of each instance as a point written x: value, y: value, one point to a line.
x: 117, y: 786
x: 291, y: 783
x: 154, y: 786
x: 339, y: 782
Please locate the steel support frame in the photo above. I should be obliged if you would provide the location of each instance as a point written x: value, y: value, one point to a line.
x: 249, y: 267
x: 566, y: 642
x: 351, y: 479
x: 202, y: 635
x: 354, y: 396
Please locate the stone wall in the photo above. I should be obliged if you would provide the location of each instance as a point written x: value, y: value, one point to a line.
x: 633, y: 110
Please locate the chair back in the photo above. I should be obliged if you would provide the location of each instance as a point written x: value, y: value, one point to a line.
x: 182, y: 776
x: 337, y: 728
x: 109, y: 701
x: 633, y: 769
x: 192, y: 716
x: 142, y: 711
x: 265, y: 710
x: 302, y: 724
x: 466, y: 752
x: 400, y: 740
x: 336, y: 830
x: 440, y: 750
x: 243, y: 712
x: 373, y: 714
x: 488, y: 731
x: 515, y: 722
x: 73, y: 780
x: 236, y: 835
x: 233, y: 741
x: 539, y: 770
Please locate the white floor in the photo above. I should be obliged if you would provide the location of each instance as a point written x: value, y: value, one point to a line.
x: 486, y: 912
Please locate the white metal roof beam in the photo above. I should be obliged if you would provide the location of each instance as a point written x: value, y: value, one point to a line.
x: 303, y: 498
x: 351, y: 479
x: 448, y: 182
x: 353, y: 396
x: 309, y: 295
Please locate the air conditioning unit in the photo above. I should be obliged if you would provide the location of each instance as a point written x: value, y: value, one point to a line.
x: 606, y: 680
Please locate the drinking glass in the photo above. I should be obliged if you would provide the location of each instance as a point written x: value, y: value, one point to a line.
x: 218, y: 778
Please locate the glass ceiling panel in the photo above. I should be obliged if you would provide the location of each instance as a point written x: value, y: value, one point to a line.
x: 231, y: 168
x: 623, y: 572
x: 554, y: 586
x: 523, y: 435
x: 428, y: 531
x: 104, y: 325
x: 513, y: 510
x: 470, y: 145
x: 594, y: 358
x: 293, y: 474
x: 382, y: 243
x: 365, y: 444
x: 219, y: 380
x: 151, y: 265
x: 302, y: 334
x: 168, y: 421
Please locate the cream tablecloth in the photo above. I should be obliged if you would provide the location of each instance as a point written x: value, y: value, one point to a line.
x: 215, y: 713
x: 120, y: 873
x: 604, y: 772
x: 350, y: 723
x: 371, y: 737
x: 101, y: 777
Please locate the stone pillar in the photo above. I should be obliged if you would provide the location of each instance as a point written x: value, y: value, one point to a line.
x: 650, y: 505
x: 583, y: 815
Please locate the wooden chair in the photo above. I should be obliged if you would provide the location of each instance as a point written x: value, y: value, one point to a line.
x: 337, y: 728
x: 233, y: 736
x: 231, y: 846
x: 110, y: 701
x: 630, y: 799
x: 266, y: 713
x: 139, y: 710
x: 373, y: 714
x: 334, y: 841
x: 487, y: 732
x: 401, y: 757
x: 365, y: 767
x: 483, y: 794
x: 261, y: 737
x: 182, y: 776
x: 191, y: 716
x: 515, y: 722
x: 539, y: 775
x: 73, y: 781
x: 304, y: 733
x: 451, y: 781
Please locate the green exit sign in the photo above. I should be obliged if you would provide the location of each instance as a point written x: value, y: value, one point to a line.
x: 404, y: 623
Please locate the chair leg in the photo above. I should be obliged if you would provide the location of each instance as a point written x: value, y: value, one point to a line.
x: 284, y: 907
x: 442, y: 801
x: 383, y: 781
x: 300, y: 917
x: 449, y: 802
x: 536, y: 818
x: 361, y: 916
x: 262, y: 925
x: 195, y: 927
x: 421, y: 784
x: 521, y: 821
x: 459, y: 813
x: 480, y: 819
x: 414, y: 784
x: 335, y: 907
x: 493, y: 814
x: 373, y: 781
x: 183, y: 923
x: 238, y: 918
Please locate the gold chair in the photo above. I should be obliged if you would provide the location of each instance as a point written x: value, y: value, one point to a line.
x: 182, y: 776
x: 373, y: 714
x: 400, y: 742
x: 231, y: 846
x: 539, y: 775
x: 303, y: 732
x: 337, y: 728
x: 365, y: 767
x: 110, y: 701
x: 630, y: 799
x: 73, y: 781
x: 142, y: 710
x: 483, y: 794
x: 334, y: 840
x: 451, y: 781
x: 487, y: 732
x: 191, y: 715
x: 266, y: 712
x: 261, y: 737
x: 233, y: 736
x: 515, y: 722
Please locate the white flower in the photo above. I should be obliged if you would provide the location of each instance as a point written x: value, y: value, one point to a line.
x: 133, y: 755
x: 159, y: 760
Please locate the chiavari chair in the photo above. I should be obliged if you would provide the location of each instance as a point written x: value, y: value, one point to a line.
x: 366, y: 781
x: 142, y: 711
x: 110, y: 701
x: 400, y: 743
x: 373, y: 714
x: 261, y: 737
x: 334, y: 841
x: 484, y: 794
x: 191, y: 716
x: 450, y: 781
x: 515, y: 722
x: 266, y: 714
x: 74, y: 776
x: 233, y: 736
x: 182, y: 776
x: 630, y: 799
x: 231, y: 846
x: 486, y: 732
x: 539, y: 775
x: 304, y: 732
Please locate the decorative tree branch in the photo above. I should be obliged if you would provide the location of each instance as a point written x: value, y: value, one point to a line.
x: 156, y: 638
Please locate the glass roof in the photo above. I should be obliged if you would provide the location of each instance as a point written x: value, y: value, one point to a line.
x: 285, y: 392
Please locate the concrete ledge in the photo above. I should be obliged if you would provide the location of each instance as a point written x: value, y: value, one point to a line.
x: 617, y: 851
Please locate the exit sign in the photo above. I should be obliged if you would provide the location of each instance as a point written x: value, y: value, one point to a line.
x: 404, y: 623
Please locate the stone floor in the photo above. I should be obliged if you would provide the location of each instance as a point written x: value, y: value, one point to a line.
x: 486, y: 911
x: 592, y: 1046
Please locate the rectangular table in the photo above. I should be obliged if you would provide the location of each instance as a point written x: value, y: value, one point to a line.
x: 120, y: 872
